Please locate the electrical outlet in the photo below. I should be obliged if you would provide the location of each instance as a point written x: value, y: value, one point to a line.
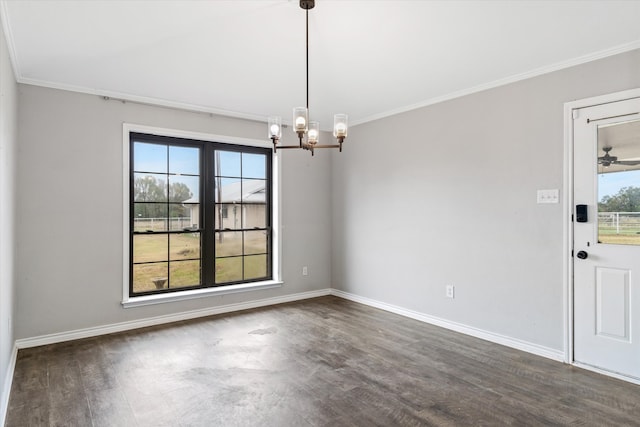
x: 305, y: 271
x: 450, y: 291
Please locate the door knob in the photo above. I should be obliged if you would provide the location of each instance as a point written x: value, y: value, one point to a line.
x: 582, y: 255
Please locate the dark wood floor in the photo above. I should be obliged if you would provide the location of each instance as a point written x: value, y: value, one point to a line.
x: 320, y: 362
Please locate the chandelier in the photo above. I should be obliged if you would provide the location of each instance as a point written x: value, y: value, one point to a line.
x: 301, y: 124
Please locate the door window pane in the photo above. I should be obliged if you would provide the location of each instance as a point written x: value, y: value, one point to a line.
x: 619, y: 183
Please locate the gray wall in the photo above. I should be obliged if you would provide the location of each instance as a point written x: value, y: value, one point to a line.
x: 69, y: 227
x: 466, y: 173
x: 8, y: 140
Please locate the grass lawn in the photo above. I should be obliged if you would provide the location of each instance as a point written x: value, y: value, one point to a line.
x: 176, y: 258
x: 626, y: 237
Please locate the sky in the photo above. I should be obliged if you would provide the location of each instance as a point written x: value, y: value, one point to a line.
x: 610, y: 183
x: 183, y: 164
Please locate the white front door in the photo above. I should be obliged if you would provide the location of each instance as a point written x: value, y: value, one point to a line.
x: 606, y: 246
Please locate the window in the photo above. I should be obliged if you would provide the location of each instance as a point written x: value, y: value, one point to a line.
x: 200, y: 214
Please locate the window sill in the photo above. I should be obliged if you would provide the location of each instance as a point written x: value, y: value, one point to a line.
x: 199, y: 293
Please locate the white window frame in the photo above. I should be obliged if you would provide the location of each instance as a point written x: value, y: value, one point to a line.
x: 136, y: 301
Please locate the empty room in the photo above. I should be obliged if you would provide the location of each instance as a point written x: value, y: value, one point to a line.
x: 319, y: 212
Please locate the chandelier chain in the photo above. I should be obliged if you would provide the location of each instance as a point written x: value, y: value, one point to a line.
x: 307, y: 47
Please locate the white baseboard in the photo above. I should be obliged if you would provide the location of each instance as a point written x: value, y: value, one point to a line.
x: 458, y: 327
x: 6, y: 389
x: 135, y: 324
x: 159, y: 320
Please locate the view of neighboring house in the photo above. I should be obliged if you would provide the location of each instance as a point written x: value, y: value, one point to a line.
x: 239, y: 204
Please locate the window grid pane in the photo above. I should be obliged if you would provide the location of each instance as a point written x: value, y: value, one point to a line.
x: 150, y: 277
x: 255, y: 266
x: 172, y: 248
x: 184, y: 274
x: 241, y: 217
x: 165, y: 177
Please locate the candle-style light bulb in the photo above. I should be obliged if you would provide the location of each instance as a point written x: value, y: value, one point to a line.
x: 275, y: 127
x: 340, y: 126
x: 313, y: 135
x: 300, y: 117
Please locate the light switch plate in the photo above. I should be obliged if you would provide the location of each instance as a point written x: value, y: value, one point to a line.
x: 549, y: 196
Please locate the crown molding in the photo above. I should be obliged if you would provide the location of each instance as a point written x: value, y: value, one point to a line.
x: 627, y: 47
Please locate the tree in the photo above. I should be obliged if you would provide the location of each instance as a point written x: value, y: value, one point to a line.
x: 149, y: 189
x: 626, y: 200
x: 178, y: 192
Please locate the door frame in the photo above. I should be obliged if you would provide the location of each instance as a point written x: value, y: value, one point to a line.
x: 567, y: 212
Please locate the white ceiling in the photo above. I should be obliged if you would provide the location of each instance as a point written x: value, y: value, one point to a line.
x: 368, y: 59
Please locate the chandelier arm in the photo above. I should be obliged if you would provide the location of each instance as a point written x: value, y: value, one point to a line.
x: 338, y: 145
x: 284, y: 147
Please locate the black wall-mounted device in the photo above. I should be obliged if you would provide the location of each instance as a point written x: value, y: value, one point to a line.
x: 581, y: 213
